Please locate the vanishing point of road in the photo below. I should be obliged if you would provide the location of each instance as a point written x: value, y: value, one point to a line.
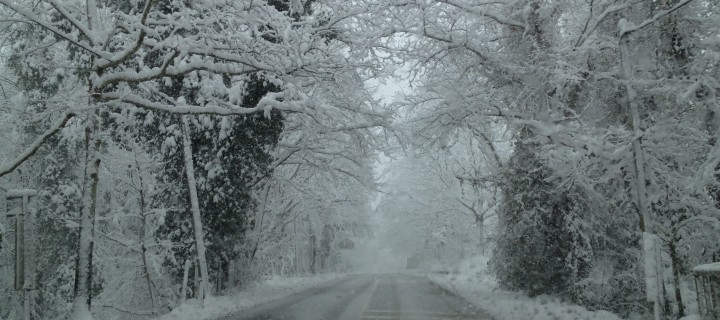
x: 368, y: 297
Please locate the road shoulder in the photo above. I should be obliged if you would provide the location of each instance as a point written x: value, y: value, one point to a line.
x: 237, y: 301
x: 505, y: 305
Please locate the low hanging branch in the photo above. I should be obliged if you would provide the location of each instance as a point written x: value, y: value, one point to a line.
x: 49, y: 27
x: 627, y: 28
x: 33, y: 148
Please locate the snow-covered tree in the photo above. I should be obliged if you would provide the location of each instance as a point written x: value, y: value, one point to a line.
x: 122, y: 54
x: 611, y: 98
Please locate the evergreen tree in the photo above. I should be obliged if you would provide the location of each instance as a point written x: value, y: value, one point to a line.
x: 542, y: 245
x: 54, y: 172
x: 230, y: 154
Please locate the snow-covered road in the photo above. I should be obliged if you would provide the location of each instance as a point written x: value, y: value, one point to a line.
x: 366, y: 297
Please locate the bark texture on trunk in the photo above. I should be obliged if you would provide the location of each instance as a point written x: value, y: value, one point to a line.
x: 83, y: 268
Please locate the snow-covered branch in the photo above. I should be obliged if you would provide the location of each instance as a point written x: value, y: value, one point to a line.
x: 123, y: 56
x: 469, y: 7
x: 12, y: 5
x: 30, y: 150
x: 143, y: 103
x: 627, y: 28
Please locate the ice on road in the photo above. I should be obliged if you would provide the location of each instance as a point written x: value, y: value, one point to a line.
x: 368, y: 297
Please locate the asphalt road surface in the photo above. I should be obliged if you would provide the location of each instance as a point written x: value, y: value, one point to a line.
x: 368, y: 297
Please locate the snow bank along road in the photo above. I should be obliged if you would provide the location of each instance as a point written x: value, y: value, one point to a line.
x: 368, y: 297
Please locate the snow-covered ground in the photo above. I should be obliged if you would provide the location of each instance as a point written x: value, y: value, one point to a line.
x: 261, y: 292
x: 472, y: 282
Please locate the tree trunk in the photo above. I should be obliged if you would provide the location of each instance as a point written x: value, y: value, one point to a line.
x: 186, y: 271
x: 638, y: 185
x: 230, y: 274
x: 639, y: 188
x: 195, y: 204
x: 218, y: 278
x: 313, y: 254
x: 83, y: 268
x: 676, y: 278
x: 146, y: 265
x: 196, y: 279
x: 481, y: 227
x: 296, y: 260
x: 312, y: 247
x: 145, y: 238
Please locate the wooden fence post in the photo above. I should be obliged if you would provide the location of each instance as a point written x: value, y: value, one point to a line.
x: 707, y: 285
x: 24, y: 245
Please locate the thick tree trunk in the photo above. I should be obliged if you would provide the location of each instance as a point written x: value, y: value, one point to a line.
x: 83, y: 267
x: 195, y: 206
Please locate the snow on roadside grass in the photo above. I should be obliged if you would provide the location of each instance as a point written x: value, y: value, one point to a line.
x: 473, y: 283
x: 261, y: 292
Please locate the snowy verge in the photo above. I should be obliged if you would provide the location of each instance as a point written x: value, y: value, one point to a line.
x: 261, y: 292
x: 472, y: 283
